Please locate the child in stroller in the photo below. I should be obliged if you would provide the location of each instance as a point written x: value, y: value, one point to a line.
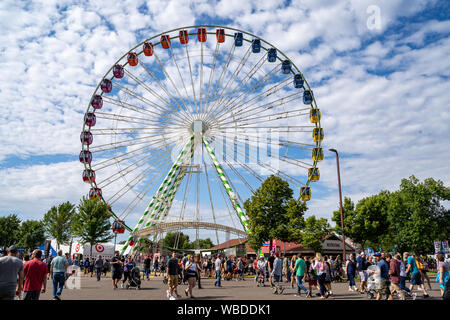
x: 135, y: 279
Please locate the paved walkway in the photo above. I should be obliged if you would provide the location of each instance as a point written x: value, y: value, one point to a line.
x: 91, y: 289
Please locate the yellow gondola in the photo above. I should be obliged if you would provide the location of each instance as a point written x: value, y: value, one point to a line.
x: 317, y: 154
x: 314, y: 115
x: 313, y: 174
x: 305, y: 193
x: 318, y: 134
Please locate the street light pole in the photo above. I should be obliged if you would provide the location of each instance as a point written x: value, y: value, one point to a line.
x: 340, y: 202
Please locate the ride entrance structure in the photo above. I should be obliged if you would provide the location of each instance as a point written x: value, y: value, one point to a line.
x: 188, y: 123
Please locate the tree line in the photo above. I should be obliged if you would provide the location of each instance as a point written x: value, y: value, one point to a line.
x: 88, y: 222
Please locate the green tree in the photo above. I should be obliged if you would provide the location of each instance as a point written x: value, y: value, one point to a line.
x: 176, y: 240
x: 315, y: 232
x: 91, y: 224
x: 273, y: 213
x: 366, y: 223
x: 9, y: 230
x: 58, y: 223
x: 32, y: 234
x: 416, y: 216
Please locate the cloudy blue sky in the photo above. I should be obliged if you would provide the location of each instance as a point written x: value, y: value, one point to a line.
x: 379, y: 69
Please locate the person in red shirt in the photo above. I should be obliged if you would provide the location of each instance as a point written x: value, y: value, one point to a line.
x: 35, y: 272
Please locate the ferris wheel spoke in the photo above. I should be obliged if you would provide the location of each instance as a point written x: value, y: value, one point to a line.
x: 134, y: 167
x: 122, y: 157
x: 210, y: 196
x: 213, y: 68
x: 127, y: 143
x: 136, y: 180
x: 140, y: 196
x: 141, y: 98
x: 258, y: 84
x: 192, y: 80
x: 201, y: 79
x: 220, y: 80
x: 180, y: 96
x: 137, y: 109
x: 236, y: 172
x: 244, y: 106
x: 273, y: 117
x: 181, y: 77
x: 131, y: 119
x: 233, y: 76
x: 244, y: 80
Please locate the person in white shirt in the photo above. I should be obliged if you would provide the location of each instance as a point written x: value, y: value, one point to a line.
x: 218, y: 268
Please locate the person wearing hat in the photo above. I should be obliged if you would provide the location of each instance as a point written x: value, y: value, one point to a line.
x: 10, y: 268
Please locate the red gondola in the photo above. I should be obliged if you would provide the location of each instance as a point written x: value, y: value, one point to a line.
x: 148, y: 49
x: 118, y: 71
x: 86, y: 137
x: 95, y: 192
x: 118, y: 226
x: 184, y: 37
x: 88, y: 175
x: 85, y: 156
x: 132, y: 59
x: 106, y: 85
x: 201, y: 34
x: 97, y: 102
x: 220, y: 35
x: 165, y: 41
x: 89, y: 119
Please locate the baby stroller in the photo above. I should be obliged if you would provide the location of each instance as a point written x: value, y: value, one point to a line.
x: 260, y: 278
x: 277, y: 285
x: 373, y: 282
x: 135, y: 279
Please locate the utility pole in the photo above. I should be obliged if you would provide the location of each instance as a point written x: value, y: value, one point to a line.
x: 340, y: 203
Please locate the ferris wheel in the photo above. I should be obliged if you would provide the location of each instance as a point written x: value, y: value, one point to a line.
x: 186, y: 125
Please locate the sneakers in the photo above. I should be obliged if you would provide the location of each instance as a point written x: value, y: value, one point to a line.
x: 308, y: 294
x: 426, y: 295
x: 172, y: 298
x: 350, y: 289
x: 414, y: 296
x: 168, y: 294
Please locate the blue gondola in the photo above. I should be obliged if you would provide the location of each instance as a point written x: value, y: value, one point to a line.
x: 238, y: 39
x: 307, y: 97
x: 286, y: 67
x: 272, y: 55
x: 256, y: 45
x: 298, y: 81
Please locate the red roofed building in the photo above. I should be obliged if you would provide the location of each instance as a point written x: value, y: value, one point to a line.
x: 331, y: 246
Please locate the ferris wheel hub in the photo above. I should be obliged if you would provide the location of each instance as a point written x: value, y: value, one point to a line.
x: 198, y: 126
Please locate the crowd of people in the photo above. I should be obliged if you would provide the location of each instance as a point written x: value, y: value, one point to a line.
x: 27, y: 278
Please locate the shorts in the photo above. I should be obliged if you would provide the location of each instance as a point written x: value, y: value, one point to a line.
x: 384, y: 287
x: 116, y: 275
x: 312, y: 282
x: 363, y: 276
x: 416, y: 279
x: 173, y: 280
x: 395, y: 288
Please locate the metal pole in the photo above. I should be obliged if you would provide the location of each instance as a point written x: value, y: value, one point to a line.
x: 340, y: 203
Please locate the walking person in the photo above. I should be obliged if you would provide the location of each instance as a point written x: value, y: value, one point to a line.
x: 403, y: 277
x: 291, y: 270
x: 58, y: 274
x: 423, y: 267
x: 105, y: 266
x: 270, y: 262
x: 416, y: 277
x: 277, y: 269
x: 116, y: 269
x: 147, y: 262
x: 350, y: 267
x: 383, y: 271
x: 311, y: 276
x: 172, y: 277
x: 442, y: 275
x: 127, y: 266
x: 361, y: 265
x: 192, y: 268
x: 299, y: 272
x: 328, y: 277
x: 98, y: 267
x: 11, y: 268
x: 218, y: 267
x: 197, y: 260
x: 320, y: 267
x: 35, y: 274
x: 86, y: 266
x: 394, y: 275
